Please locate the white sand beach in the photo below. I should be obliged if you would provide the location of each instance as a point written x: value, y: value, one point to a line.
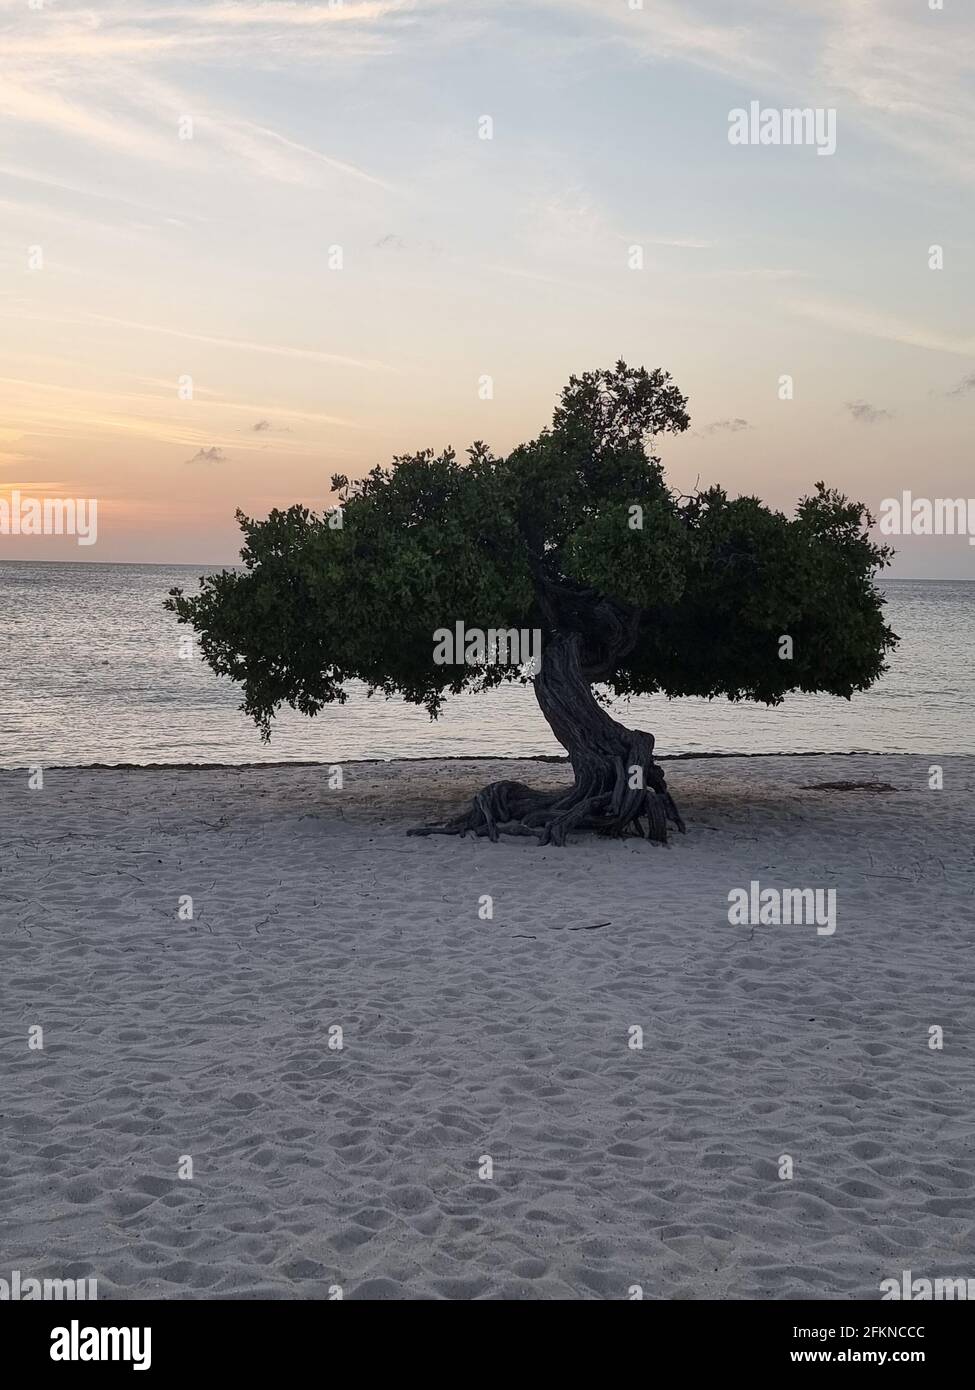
x: 316, y: 1167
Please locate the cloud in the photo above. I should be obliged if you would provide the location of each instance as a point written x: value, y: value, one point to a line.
x: 422, y: 245
x: 731, y: 426
x: 963, y: 387
x: 898, y: 70
x: 242, y: 345
x: 272, y: 31
x: 265, y: 427
x: 894, y: 68
x: 211, y: 455
x: 26, y: 104
x: 98, y: 81
x: 283, y: 14
x: 339, y: 166
x: 866, y: 413
x: 16, y: 171
x: 686, y: 243
x: 853, y: 318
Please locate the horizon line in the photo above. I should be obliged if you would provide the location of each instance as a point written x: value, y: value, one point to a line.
x: 199, y: 564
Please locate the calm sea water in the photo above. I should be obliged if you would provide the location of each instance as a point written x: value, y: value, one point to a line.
x: 90, y: 672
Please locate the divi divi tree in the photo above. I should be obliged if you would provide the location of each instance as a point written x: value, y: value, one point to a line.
x: 631, y: 588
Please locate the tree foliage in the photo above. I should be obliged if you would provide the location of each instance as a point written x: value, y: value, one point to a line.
x: 543, y: 538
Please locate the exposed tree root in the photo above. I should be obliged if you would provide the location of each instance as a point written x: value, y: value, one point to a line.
x: 512, y: 808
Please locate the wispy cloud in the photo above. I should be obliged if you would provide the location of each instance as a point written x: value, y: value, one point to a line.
x: 857, y: 319
x: 88, y: 191
x: 39, y: 104
x: 681, y: 243
x: 285, y: 14
x: 101, y: 80
x: 865, y: 413
x: 339, y: 166
x: 159, y: 416
x: 244, y: 345
x: 665, y: 29
x: 727, y: 426
x: 211, y: 455
x: 898, y: 70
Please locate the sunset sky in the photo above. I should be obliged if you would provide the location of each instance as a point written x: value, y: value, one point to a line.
x: 356, y: 125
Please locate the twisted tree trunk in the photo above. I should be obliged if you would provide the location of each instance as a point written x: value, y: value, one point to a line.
x: 617, y: 784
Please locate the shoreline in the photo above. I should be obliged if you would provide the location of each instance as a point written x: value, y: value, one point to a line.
x: 455, y: 758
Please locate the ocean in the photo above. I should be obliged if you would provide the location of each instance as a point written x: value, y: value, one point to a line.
x: 90, y: 672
